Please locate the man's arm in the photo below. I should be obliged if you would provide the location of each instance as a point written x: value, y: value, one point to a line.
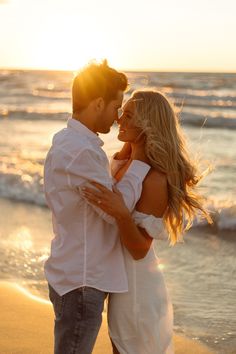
x: 89, y: 166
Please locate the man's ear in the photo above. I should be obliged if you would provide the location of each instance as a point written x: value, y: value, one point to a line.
x: 99, y: 104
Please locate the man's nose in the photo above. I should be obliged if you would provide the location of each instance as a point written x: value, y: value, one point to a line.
x: 119, y: 119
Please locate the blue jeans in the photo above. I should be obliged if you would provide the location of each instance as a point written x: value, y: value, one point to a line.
x: 78, y: 317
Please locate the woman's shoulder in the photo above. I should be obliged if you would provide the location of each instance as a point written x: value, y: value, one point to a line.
x: 154, y: 197
x: 155, y: 182
x: 155, y: 178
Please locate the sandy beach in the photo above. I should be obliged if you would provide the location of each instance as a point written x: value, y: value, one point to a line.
x: 26, y: 326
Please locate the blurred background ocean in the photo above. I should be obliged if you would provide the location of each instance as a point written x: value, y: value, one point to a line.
x: 200, y: 273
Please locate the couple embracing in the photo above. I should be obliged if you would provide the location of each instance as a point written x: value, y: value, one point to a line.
x: 106, y: 217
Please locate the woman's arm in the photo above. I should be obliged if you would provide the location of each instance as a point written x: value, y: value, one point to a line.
x: 124, y: 153
x: 153, y: 201
x: 135, y: 239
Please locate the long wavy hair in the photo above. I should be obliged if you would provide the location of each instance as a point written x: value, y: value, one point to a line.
x: 167, y: 152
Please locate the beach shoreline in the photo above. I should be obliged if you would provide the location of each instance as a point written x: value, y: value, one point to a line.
x: 27, y: 326
x: 25, y: 238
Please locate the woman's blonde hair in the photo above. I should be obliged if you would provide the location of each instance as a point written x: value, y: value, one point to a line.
x: 167, y: 152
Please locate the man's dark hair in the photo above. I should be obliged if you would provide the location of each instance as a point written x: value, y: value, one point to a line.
x: 96, y: 80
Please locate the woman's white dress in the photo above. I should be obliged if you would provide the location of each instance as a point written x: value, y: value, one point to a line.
x: 141, y: 320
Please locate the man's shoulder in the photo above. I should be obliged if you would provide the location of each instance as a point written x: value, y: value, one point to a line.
x: 69, y: 141
x: 72, y: 143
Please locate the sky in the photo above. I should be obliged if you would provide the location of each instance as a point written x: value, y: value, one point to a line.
x: 152, y: 35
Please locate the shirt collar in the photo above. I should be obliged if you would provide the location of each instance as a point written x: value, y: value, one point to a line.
x: 81, y: 128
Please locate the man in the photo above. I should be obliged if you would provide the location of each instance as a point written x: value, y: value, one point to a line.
x: 86, y: 260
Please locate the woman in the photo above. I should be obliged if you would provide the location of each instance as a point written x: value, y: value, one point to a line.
x: 140, y: 321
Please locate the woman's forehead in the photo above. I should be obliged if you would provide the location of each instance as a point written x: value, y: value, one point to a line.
x: 129, y: 106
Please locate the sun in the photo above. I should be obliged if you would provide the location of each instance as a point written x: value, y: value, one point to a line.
x: 70, y: 45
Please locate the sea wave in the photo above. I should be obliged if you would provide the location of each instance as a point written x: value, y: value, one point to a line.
x: 22, y: 187
x: 207, y: 101
x: 36, y: 94
x: 207, y: 122
x: 51, y: 94
x: 198, y: 120
x: 223, y: 214
x: 32, y: 115
x: 196, y: 81
x: 29, y: 189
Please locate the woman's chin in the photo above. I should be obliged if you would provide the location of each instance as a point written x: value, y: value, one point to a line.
x: 121, y: 138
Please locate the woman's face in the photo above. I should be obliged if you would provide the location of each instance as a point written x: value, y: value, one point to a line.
x: 128, y: 132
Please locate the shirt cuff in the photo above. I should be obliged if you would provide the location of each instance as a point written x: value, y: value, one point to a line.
x: 139, y: 169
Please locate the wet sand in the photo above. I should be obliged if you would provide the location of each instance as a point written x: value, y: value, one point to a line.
x: 26, y: 326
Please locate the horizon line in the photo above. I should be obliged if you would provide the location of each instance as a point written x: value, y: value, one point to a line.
x: 194, y: 71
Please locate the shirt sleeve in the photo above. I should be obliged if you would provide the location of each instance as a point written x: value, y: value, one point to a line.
x: 89, y: 165
x: 135, y: 174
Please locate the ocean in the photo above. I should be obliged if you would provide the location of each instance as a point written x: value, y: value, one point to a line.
x: 200, y: 273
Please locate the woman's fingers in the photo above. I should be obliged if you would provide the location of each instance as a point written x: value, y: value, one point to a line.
x: 92, y: 192
x: 107, y: 200
x: 93, y: 196
x: 96, y: 200
x: 90, y: 196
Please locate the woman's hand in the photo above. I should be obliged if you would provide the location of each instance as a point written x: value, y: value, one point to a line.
x: 110, y: 202
x: 125, y: 152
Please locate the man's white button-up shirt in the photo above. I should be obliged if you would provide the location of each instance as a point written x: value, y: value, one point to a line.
x: 86, y: 249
